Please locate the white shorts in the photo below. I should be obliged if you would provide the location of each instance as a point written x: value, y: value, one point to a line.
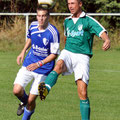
x: 77, y: 63
x: 24, y: 77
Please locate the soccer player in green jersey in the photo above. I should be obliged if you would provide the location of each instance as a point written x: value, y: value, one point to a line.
x: 79, y: 32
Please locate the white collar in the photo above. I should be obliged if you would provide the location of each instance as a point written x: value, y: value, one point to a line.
x: 83, y: 14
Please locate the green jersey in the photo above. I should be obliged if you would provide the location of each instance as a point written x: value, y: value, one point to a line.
x: 80, y: 34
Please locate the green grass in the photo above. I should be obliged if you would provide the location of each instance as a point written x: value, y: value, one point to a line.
x: 63, y: 103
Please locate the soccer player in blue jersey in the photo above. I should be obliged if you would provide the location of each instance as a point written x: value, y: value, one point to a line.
x: 79, y: 32
x: 43, y: 38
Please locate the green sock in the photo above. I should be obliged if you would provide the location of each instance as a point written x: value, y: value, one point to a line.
x: 51, y: 80
x: 85, y: 109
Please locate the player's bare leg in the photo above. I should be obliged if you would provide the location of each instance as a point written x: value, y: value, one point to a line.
x: 29, y: 109
x: 82, y: 89
x: 84, y: 101
x: 22, y: 96
x: 31, y: 102
x: 51, y: 79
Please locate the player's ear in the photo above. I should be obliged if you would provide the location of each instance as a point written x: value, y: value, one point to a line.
x: 48, y: 15
x: 80, y: 3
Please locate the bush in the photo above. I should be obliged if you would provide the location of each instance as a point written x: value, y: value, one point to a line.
x: 12, y: 35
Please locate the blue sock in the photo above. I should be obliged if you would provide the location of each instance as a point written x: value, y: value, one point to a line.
x: 27, y: 114
x: 24, y: 98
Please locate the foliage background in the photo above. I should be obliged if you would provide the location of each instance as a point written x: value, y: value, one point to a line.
x: 12, y: 29
x: 89, y: 6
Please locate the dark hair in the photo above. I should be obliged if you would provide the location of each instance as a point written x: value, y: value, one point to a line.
x: 41, y: 8
x: 79, y: 0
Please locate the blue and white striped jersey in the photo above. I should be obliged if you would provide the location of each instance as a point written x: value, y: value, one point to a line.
x: 43, y: 43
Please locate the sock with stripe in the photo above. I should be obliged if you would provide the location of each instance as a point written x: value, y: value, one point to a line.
x: 51, y: 80
x: 85, y: 109
x: 27, y: 114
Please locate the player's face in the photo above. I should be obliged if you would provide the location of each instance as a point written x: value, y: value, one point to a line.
x: 74, y: 6
x: 42, y: 17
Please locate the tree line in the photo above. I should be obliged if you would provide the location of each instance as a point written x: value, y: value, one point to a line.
x: 89, y: 6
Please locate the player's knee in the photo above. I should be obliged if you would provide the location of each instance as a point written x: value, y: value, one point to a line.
x: 59, y: 66
x: 17, y: 91
x: 30, y: 101
x: 82, y: 94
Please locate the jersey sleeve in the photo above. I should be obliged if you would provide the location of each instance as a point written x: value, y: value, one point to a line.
x: 95, y: 27
x: 29, y: 32
x: 54, y: 45
x: 64, y: 24
x: 65, y: 33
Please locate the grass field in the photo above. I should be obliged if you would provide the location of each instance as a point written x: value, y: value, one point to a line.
x: 63, y: 103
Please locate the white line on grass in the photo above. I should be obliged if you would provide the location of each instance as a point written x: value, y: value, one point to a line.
x: 104, y: 70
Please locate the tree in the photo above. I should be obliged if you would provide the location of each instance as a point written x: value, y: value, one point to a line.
x: 13, y: 5
x: 109, y: 6
x: 89, y: 6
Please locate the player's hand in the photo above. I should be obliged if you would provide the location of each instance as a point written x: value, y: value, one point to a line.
x: 106, y: 45
x: 32, y: 66
x: 20, y: 58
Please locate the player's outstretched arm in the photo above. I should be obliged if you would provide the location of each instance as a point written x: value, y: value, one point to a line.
x: 34, y: 66
x: 20, y: 57
x: 105, y: 38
